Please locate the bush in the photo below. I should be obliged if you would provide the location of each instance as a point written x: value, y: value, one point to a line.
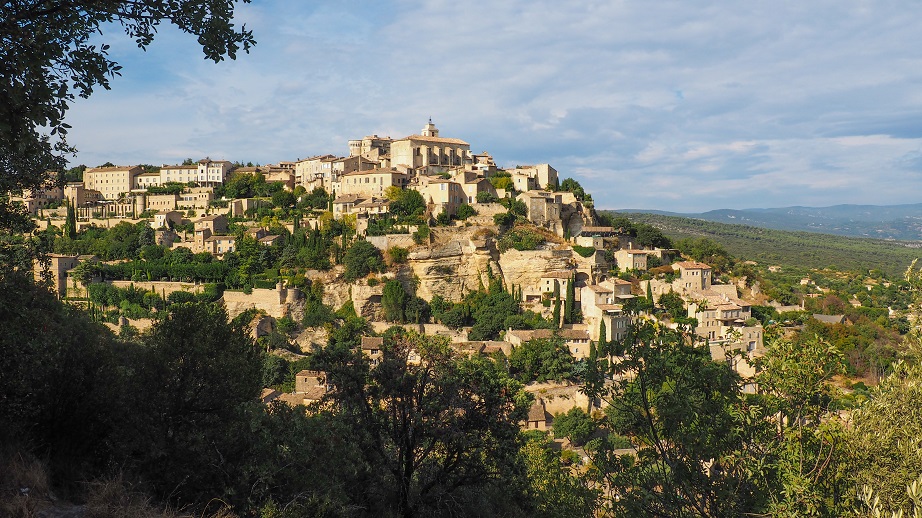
x: 520, y: 239
x: 504, y: 219
x: 398, y: 255
x: 575, y: 425
x: 361, y: 259
x: 486, y: 197
x: 421, y: 235
x: 584, y: 251
x: 465, y: 211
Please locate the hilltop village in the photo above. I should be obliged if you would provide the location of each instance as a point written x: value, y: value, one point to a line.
x: 415, y: 300
x: 422, y: 212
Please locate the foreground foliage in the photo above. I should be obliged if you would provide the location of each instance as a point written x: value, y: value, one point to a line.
x: 439, y: 434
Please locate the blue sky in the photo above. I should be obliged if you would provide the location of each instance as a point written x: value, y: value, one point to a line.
x: 672, y: 105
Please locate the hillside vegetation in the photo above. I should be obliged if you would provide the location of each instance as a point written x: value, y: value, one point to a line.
x: 804, y: 249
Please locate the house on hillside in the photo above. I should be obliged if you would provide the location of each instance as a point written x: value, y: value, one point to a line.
x: 538, y: 416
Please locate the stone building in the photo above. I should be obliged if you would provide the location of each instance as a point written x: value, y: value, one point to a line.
x: 543, y: 208
x: 79, y: 196
x: 430, y: 153
x: 58, y: 266
x: 35, y: 199
x: 111, y: 182
x: 440, y: 195
x: 316, y: 171
x: 541, y: 176
x: 372, y: 182
x: 372, y: 147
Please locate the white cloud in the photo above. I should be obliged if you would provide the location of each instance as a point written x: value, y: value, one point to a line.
x: 674, y: 105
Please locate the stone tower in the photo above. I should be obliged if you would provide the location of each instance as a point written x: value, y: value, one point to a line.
x: 430, y: 130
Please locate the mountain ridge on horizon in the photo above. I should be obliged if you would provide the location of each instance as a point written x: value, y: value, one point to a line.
x: 900, y: 222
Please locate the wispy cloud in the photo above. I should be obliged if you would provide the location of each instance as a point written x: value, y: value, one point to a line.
x: 673, y: 105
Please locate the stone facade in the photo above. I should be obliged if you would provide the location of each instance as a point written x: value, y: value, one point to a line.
x: 430, y: 153
x: 111, y: 182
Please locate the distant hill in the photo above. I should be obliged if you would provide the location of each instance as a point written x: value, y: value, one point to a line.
x: 790, y: 248
x: 901, y: 222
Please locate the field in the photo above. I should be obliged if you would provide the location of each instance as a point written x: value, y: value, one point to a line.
x: 786, y: 248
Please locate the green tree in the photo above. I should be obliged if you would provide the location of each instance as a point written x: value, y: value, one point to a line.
x: 556, y: 314
x: 557, y: 491
x: 541, y: 359
x: 594, y: 381
x: 70, y: 223
x: 283, y: 199
x: 684, y: 412
x: 673, y: 304
x: 571, y: 185
x: 650, y: 236
x: 60, y: 379
x: 393, y: 301
x: 569, y: 306
x: 885, y: 435
x: 492, y: 313
x: 361, y: 259
x: 200, y: 376
x: 406, y: 203
x: 795, y: 392
x: 431, y: 433
x: 575, y: 424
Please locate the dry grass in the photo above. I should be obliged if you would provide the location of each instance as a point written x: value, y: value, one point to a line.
x: 23, y: 482
x: 25, y: 492
x: 116, y: 498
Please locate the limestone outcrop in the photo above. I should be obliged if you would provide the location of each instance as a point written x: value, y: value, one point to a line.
x: 450, y: 270
x: 525, y: 268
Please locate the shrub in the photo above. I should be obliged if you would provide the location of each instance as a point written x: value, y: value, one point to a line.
x: 486, y: 197
x: 421, y: 235
x: 361, y: 259
x: 584, y: 251
x: 504, y: 219
x: 520, y: 239
x: 465, y: 211
x: 398, y: 255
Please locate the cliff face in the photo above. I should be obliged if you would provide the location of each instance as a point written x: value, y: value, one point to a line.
x: 450, y: 270
x: 457, y: 268
x: 453, y: 268
x: 526, y: 268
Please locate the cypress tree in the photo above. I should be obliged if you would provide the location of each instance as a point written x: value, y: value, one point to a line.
x: 70, y: 224
x: 649, y: 293
x: 603, y: 339
x: 592, y: 369
x: 571, y: 300
x: 557, y: 314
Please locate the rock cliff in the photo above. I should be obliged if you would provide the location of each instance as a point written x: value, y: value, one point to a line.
x: 526, y: 268
x: 450, y: 270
